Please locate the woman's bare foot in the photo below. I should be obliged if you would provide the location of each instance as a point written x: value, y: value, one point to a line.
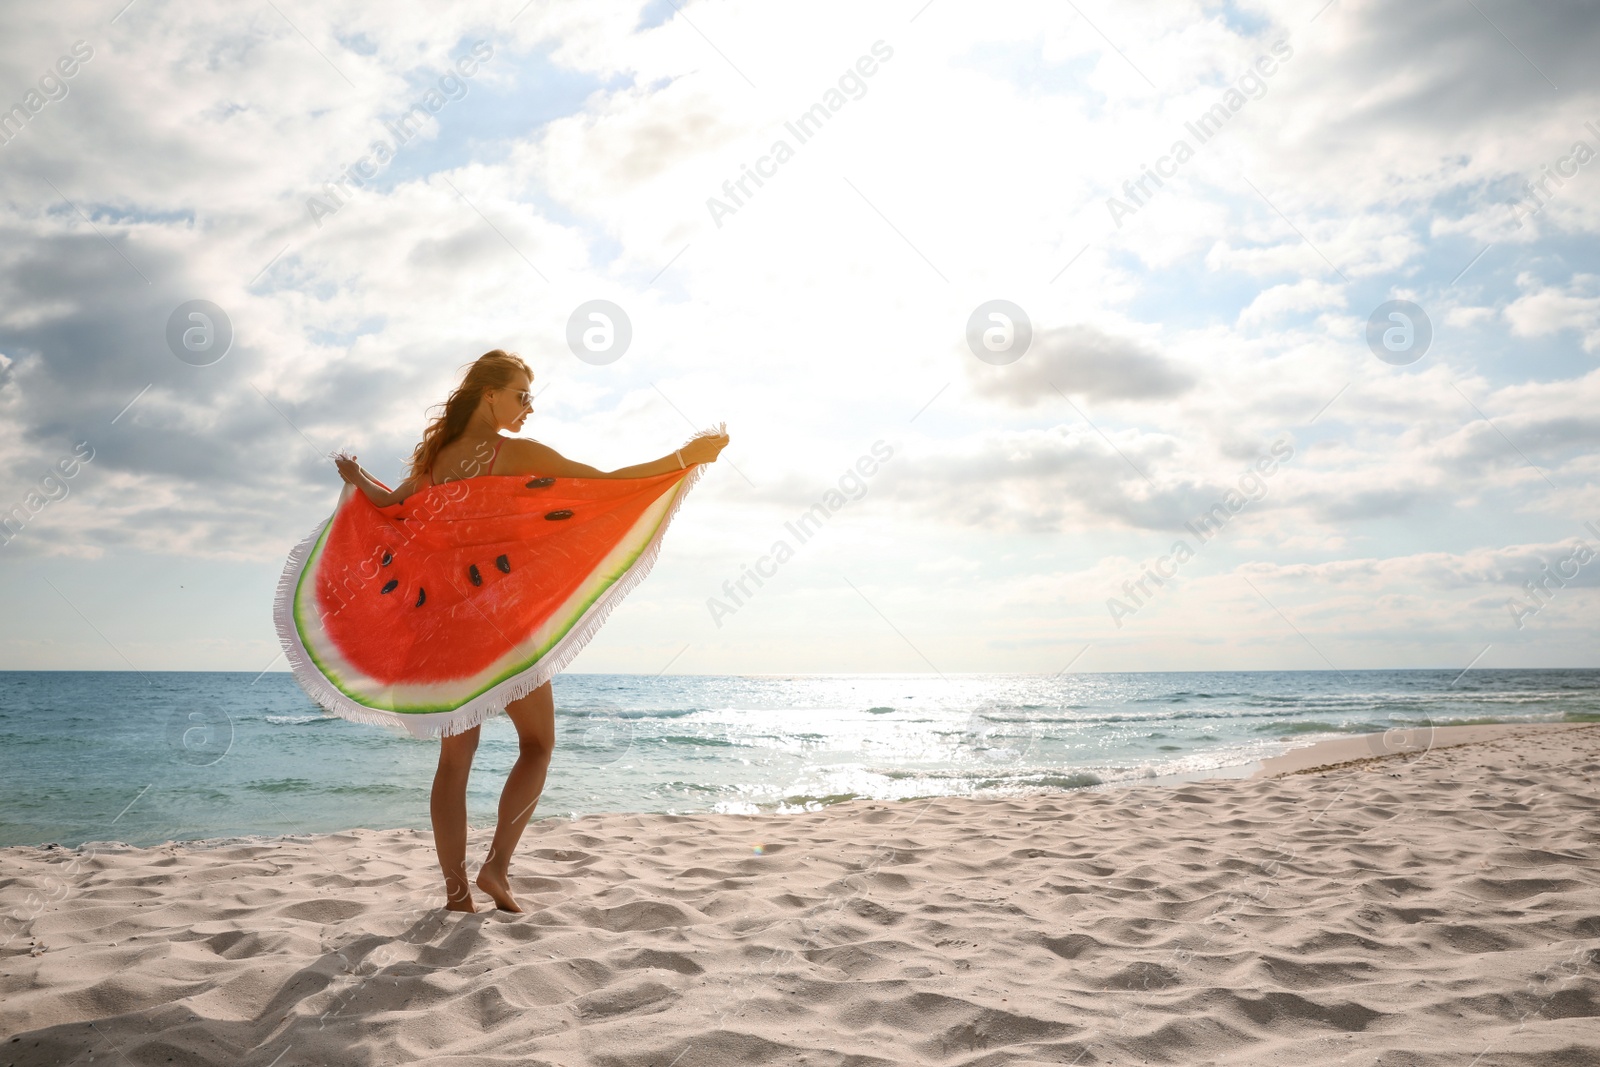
x: 494, y: 882
x: 457, y: 894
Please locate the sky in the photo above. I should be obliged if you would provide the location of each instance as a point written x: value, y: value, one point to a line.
x: 1065, y: 278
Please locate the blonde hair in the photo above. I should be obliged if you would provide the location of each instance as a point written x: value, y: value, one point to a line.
x: 492, y: 370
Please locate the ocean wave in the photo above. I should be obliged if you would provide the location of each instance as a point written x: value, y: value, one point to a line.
x: 1310, y: 727
x: 808, y: 802
x: 304, y: 787
x: 685, y: 739
x: 1078, y: 780
x: 581, y: 711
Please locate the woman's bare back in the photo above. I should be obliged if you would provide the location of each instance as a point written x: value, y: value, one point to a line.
x: 464, y: 458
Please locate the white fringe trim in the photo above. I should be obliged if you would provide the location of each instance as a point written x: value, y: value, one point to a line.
x: 490, y: 703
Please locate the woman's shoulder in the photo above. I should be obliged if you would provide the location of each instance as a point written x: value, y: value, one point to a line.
x: 523, y: 455
x: 524, y: 446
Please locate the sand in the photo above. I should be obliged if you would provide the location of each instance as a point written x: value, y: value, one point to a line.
x: 1440, y: 906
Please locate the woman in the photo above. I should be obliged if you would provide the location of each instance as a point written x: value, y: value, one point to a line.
x: 466, y: 442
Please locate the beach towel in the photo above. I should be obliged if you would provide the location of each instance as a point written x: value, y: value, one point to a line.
x: 432, y: 614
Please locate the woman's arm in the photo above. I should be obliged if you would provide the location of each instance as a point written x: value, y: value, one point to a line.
x: 351, y: 472
x: 521, y: 456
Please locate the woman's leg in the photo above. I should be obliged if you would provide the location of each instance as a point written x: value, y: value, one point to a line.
x: 535, y: 719
x: 449, y: 809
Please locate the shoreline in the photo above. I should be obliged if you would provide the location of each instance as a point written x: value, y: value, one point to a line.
x: 1331, y: 753
x: 1339, y: 752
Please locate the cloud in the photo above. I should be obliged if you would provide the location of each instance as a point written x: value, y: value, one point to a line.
x: 1279, y: 300
x: 1543, y: 310
x: 1084, y: 361
x: 1070, y: 479
x: 1503, y: 568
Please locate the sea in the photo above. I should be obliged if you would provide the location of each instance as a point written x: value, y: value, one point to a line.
x: 146, y: 758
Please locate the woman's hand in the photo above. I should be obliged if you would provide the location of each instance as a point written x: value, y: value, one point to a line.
x: 349, y: 469
x: 704, y: 449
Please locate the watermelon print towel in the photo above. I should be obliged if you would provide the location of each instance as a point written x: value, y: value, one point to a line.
x: 434, y: 613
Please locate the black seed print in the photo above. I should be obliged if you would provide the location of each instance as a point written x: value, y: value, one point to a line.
x: 387, y: 559
x: 503, y: 563
x: 564, y: 513
x: 472, y: 572
x: 422, y: 594
x: 540, y: 483
x: 391, y: 586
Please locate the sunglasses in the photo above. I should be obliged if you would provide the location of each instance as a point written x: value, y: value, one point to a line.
x: 524, y: 398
